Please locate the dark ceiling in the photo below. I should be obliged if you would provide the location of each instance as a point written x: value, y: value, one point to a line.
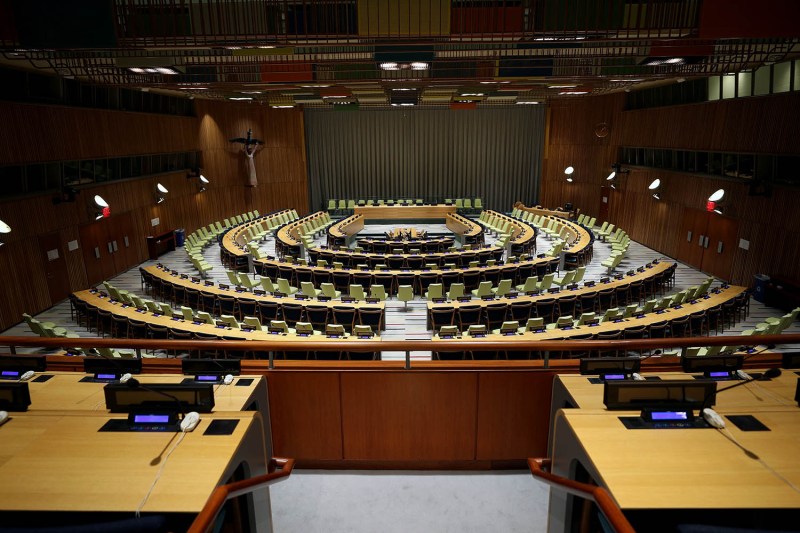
x: 403, y: 52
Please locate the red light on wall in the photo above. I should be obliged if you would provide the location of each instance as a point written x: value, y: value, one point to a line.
x: 106, y: 212
x: 710, y: 206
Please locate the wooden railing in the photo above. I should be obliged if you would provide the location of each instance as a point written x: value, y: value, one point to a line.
x: 279, y: 469
x: 407, y: 346
x: 540, y: 470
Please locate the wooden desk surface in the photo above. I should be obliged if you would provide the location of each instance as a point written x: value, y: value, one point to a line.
x: 542, y: 211
x: 214, y: 289
x: 347, y: 227
x: 95, y: 300
x: 778, y: 392
x: 231, y: 241
x: 65, y: 390
x: 59, y: 461
x: 371, y: 212
x: 654, y: 270
x: 685, y: 468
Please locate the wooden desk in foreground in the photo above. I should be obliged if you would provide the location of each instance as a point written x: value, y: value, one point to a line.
x: 61, y: 461
x: 663, y: 477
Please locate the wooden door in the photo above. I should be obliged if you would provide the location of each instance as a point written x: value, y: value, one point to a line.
x: 692, y: 235
x: 722, y: 240
x: 605, y: 203
x: 55, y: 267
x: 96, y: 255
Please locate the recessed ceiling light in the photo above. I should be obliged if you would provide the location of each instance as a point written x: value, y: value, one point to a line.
x: 573, y: 92
x: 402, y: 89
x: 528, y: 102
x: 562, y: 86
x: 166, y: 70
x: 403, y: 104
x: 472, y: 94
x: 250, y: 92
x: 389, y: 65
x: 674, y: 61
x: 267, y: 46
x: 336, y: 96
x: 284, y: 106
x: 237, y: 98
x: 194, y: 88
x: 136, y: 70
x: 316, y: 86
x: 419, y: 65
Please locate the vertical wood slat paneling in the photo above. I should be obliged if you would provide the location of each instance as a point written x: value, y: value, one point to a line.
x: 769, y: 125
x: 494, y: 154
x: 750, y: 125
x: 37, y: 133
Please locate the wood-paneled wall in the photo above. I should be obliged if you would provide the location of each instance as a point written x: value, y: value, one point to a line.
x: 769, y: 125
x: 390, y: 417
x: 34, y: 133
x: 38, y: 133
x: 280, y: 163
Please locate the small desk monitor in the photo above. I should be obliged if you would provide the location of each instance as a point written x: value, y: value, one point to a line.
x: 122, y: 398
x: 708, y: 364
x: 94, y: 365
x: 598, y: 366
x: 211, y: 366
x: 639, y: 395
x: 23, y: 363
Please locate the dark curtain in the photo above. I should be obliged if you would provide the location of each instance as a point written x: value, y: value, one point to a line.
x: 432, y: 154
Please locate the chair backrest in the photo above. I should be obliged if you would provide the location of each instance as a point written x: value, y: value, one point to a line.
x: 253, y: 322
x: 334, y: 329
x: 308, y: 289
x: 456, y: 290
x: 405, y: 293
x: 267, y: 284
x: 187, y: 313
x: 434, y: 291
x: 450, y: 331
x: 476, y: 329
x: 377, y: 291
x: 485, y: 288
x: 283, y: 286
x: 534, y: 323
x: 304, y: 327
x: 357, y: 292
x: 504, y: 287
x: 547, y: 281
x: 585, y: 317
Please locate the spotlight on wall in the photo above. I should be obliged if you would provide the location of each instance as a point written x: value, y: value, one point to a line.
x: 717, y: 196
x: 568, y: 171
x: 4, y: 228
x: 654, y: 185
x: 714, y: 202
x: 161, y: 192
x: 102, y: 205
x: 197, y: 173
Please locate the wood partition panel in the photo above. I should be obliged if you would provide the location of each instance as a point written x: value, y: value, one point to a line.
x: 370, y: 418
x: 409, y: 416
x: 306, y: 414
x: 511, y: 409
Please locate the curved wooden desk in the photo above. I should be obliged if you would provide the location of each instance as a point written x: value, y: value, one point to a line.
x: 400, y: 212
x: 703, y: 304
x: 653, y: 271
x: 99, y: 300
x: 542, y: 211
x: 167, y: 276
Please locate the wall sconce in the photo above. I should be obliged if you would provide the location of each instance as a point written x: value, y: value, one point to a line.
x: 196, y: 173
x: 102, y: 205
x: 161, y: 192
x: 4, y: 228
x: 654, y: 185
x: 714, y: 201
x: 568, y: 171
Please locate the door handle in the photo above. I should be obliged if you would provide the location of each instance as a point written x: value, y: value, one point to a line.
x: 700, y: 241
x: 719, y: 247
x: 689, y: 237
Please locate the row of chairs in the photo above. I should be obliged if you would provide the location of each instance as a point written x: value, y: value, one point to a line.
x: 586, y: 221
x: 383, y: 246
x: 239, y: 307
x: 343, y: 204
x: 771, y: 326
x: 503, y: 227
x: 453, y: 257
